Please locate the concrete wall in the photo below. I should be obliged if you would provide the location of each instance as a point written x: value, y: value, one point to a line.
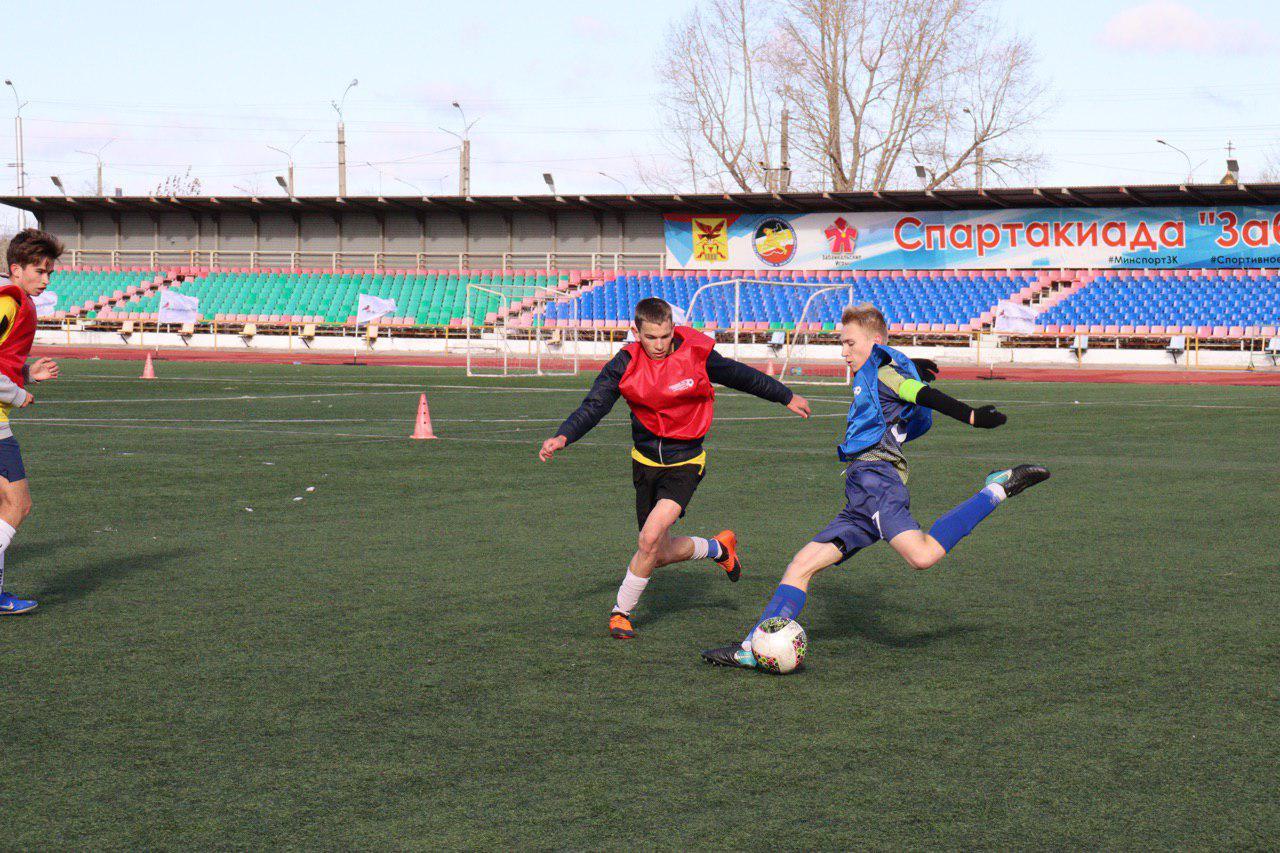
x: 525, y: 238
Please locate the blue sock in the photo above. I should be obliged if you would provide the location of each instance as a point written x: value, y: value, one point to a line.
x: 715, y: 551
x: 787, y: 602
x: 957, y: 523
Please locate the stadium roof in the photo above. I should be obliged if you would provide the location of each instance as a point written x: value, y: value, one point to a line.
x: 800, y: 202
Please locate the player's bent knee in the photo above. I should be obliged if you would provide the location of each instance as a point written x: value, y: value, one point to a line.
x: 651, y: 545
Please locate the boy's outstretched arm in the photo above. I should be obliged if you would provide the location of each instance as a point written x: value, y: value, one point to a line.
x: 983, y: 417
x: 599, y: 400
x: 748, y: 380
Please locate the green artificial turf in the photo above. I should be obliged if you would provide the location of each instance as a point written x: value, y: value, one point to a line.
x: 415, y: 654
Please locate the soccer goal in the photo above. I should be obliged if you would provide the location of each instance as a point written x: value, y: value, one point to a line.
x: 806, y: 351
x: 523, y: 330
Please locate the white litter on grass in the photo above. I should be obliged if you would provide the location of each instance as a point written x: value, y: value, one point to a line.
x: 298, y: 498
x: 1075, y: 402
x: 311, y: 488
x: 248, y: 509
x: 268, y: 463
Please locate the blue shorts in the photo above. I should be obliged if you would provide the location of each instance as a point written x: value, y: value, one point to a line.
x: 11, y: 460
x: 877, y: 507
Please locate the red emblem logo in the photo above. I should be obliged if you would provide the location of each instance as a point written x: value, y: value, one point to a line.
x: 841, y: 237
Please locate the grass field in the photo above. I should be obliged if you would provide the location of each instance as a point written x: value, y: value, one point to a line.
x: 414, y: 654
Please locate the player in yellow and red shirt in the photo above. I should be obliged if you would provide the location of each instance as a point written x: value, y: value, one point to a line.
x: 29, y: 261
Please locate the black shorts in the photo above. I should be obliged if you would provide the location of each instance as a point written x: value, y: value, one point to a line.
x: 677, y: 483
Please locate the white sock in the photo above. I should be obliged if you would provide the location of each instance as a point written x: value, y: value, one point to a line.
x: 629, y: 593
x: 6, y: 536
x: 700, y: 546
x: 997, y: 491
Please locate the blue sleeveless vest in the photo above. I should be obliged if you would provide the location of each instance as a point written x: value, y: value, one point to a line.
x: 866, y: 421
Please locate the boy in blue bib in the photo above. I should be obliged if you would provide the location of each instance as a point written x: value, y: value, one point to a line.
x: 892, y: 404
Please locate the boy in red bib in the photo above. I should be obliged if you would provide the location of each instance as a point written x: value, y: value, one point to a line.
x: 30, y: 260
x: 666, y: 377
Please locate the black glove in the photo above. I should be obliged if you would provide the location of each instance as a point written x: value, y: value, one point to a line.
x: 987, y: 417
x: 927, y: 368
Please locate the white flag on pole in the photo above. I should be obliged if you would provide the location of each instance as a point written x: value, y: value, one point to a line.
x: 373, y: 307
x: 46, y: 303
x: 1015, y: 318
x: 176, y: 308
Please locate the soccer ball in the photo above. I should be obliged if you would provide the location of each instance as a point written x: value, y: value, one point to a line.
x: 779, y: 645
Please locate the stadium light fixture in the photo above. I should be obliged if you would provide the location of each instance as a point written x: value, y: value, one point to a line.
x: 550, y: 182
x: 926, y: 175
x: 57, y: 182
x: 284, y: 185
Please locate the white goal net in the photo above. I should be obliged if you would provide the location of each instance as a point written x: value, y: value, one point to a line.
x: 513, y: 330
x: 791, y: 325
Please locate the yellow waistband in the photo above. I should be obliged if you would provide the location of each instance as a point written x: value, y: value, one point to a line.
x: 700, y: 460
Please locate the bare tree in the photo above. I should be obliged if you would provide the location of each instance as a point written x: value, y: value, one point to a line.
x: 723, y: 102
x: 178, y: 185
x: 876, y: 87
x: 1270, y: 171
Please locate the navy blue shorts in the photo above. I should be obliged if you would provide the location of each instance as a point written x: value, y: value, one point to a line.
x: 11, y: 460
x: 877, y: 507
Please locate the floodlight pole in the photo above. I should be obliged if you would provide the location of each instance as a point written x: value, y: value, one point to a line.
x: 1185, y: 156
x: 17, y: 143
x: 97, y: 155
x: 464, y: 152
x: 342, y: 140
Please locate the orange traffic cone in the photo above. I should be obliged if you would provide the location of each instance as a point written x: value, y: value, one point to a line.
x: 148, y: 370
x: 423, y: 428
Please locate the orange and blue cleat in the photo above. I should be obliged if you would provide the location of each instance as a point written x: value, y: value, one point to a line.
x: 620, y: 626
x: 729, y: 554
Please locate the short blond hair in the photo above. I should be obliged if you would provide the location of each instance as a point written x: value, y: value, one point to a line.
x: 867, y: 316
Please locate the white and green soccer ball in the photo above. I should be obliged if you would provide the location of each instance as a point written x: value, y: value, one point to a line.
x: 779, y: 645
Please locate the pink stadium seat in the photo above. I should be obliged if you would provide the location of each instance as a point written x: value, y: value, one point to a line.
x: 908, y: 327
x: 1204, y: 331
x: 1094, y: 329
x: 1126, y: 330
x: 1235, y: 332
x: 1219, y: 331
x: 1051, y: 329
x: 1111, y: 329
x: 950, y: 327
x: 1155, y: 330
x: 1142, y: 330
x: 1187, y: 330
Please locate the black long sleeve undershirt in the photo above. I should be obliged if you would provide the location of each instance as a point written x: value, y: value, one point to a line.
x: 932, y: 398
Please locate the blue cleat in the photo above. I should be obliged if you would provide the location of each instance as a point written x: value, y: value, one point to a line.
x: 11, y: 605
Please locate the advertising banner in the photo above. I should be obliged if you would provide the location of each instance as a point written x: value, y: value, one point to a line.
x: 1082, y: 238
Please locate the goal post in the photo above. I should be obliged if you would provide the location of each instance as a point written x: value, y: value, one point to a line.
x: 521, y: 330
x: 807, y: 353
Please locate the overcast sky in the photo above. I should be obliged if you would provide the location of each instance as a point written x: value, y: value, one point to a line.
x: 566, y: 86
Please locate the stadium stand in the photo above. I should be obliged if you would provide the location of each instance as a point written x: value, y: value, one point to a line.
x: 1205, y: 303
x: 951, y: 301
x: 423, y: 298
x: 83, y: 291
